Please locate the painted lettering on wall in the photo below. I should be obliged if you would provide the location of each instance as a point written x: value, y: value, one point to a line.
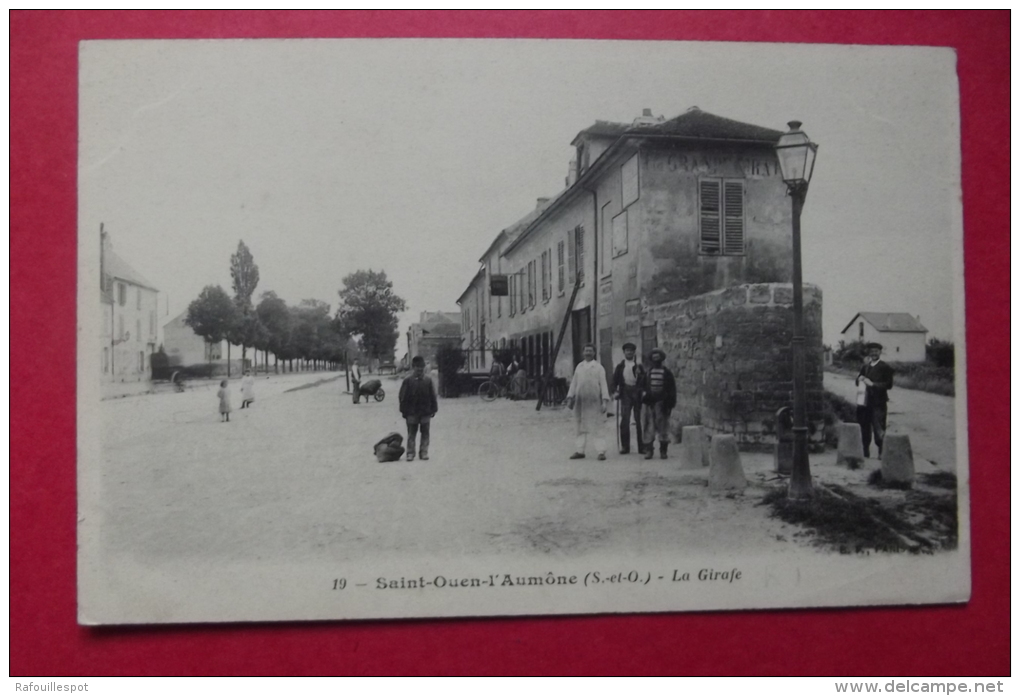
x: 751, y: 167
x: 606, y: 298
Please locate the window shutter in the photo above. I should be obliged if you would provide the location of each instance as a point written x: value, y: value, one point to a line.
x: 710, y: 229
x: 579, y: 251
x: 733, y: 207
x: 571, y: 261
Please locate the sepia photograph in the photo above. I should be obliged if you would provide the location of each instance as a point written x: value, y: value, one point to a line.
x: 424, y: 328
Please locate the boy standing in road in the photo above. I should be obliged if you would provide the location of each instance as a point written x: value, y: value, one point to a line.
x: 418, y: 405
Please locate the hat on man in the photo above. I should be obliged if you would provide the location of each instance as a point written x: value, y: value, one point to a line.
x: 657, y: 351
x: 869, y: 346
x: 629, y: 346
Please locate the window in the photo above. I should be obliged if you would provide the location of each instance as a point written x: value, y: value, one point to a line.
x: 106, y: 360
x: 522, y: 282
x: 532, y: 284
x: 138, y: 329
x: 606, y: 242
x: 721, y: 203
x: 560, y: 270
x: 548, y: 273
x: 120, y: 327
x: 545, y: 277
x: 141, y: 361
x: 579, y: 253
x: 488, y: 293
x: 620, y: 234
x: 629, y: 177
x: 138, y: 298
x: 513, y: 293
x: 121, y: 294
x: 860, y: 330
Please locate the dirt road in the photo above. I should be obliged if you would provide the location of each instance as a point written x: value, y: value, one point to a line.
x: 294, y: 477
x: 929, y: 419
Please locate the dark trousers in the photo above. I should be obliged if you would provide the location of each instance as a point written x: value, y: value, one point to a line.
x: 872, y: 420
x: 630, y: 401
x: 356, y: 390
x: 414, y: 423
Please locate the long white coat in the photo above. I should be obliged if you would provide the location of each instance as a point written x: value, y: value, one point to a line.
x: 590, y: 392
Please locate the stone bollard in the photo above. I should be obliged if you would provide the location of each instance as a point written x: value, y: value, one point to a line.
x: 693, y: 447
x: 725, y: 471
x: 897, y: 460
x: 850, y: 450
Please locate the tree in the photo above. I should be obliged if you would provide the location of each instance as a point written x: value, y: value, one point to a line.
x: 274, y: 316
x: 369, y: 307
x: 212, y: 315
x: 244, y: 275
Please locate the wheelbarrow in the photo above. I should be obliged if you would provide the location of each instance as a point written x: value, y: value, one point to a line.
x: 372, y: 388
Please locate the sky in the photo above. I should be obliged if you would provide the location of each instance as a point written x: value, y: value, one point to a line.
x: 409, y: 156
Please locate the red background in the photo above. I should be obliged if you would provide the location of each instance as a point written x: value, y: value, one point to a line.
x: 44, y: 636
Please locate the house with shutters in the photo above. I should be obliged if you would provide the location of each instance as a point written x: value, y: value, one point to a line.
x: 129, y: 303
x: 902, y: 335
x: 653, y: 211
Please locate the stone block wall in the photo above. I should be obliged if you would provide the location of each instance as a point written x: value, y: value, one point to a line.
x: 731, y: 353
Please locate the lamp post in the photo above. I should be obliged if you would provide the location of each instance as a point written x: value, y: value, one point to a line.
x: 796, y: 155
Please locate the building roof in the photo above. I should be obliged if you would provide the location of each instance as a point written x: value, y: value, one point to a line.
x: 896, y: 322
x: 438, y: 330
x: 474, y: 281
x: 118, y: 268
x: 693, y: 123
x: 514, y: 231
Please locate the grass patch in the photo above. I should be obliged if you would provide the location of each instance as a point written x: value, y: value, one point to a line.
x: 839, y: 520
x: 919, y: 376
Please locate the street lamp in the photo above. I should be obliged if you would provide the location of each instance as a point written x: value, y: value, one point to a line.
x: 796, y: 155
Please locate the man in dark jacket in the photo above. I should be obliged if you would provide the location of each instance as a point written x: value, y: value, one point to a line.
x: 626, y: 388
x: 418, y: 405
x: 659, y: 399
x: 878, y: 377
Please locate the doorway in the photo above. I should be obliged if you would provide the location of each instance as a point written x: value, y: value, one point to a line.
x: 580, y: 332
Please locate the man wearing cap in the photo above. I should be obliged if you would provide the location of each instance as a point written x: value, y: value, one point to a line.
x: 877, y: 377
x: 659, y: 389
x: 627, y: 388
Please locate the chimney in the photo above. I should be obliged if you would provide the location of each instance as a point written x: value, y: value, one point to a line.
x: 647, y: 119
x: 541, y: 202
x: 572, y: 173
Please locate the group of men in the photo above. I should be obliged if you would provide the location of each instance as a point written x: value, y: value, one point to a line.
x: 649, y: 393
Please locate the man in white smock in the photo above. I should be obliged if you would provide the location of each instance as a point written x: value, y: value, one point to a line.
x: 588, y: 397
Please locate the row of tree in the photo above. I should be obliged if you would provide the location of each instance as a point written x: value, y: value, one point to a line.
x: 306, y: 332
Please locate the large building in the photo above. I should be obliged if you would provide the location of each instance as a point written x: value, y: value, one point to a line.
x: 655, y: 213
x: 130, y: 333
x: 902, y: 335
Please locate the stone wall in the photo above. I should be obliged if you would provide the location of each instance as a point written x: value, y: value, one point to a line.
x: 731, y: 353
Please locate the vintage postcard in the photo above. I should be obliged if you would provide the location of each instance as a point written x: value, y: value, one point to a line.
x: 417, y: 328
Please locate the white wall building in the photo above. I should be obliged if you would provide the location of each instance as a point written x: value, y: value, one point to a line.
x: 902, y: 336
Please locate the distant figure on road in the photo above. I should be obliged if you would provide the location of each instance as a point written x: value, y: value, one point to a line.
x: 354, y: 373
x: 627, y: 380
x: 659, y: 389
x: 247, y: 389
x: 224, y: 396
x: 588, y: 397
x: 877, y: 378
x: 418, y: 406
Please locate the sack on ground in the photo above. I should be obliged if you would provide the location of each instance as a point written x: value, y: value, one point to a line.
x: 390, y: 448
